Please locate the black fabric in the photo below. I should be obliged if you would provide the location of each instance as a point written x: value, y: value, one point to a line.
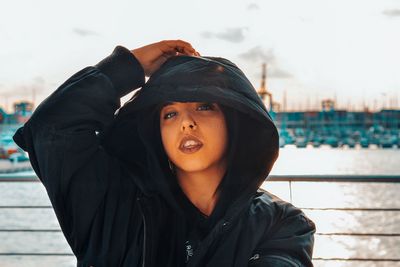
x: 198, y: 225
x: 107, y: 175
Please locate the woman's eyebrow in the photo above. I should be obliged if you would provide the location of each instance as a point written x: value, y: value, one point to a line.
x: 167, y: 104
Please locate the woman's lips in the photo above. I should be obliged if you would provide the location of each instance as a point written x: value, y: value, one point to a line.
x: 190, y: 144
x: 191, y: 149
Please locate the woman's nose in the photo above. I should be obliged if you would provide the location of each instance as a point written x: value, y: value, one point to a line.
x: 188, y: 123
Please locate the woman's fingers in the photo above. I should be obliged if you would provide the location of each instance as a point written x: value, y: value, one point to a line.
x: 179, y: 46
x: 153, y: 55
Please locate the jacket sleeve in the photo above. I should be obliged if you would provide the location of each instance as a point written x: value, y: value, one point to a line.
x: 61, y: 138
x: 288, y: 242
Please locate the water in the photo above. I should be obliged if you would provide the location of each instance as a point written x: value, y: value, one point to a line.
x: 325, y: 160
x: 347, y: 224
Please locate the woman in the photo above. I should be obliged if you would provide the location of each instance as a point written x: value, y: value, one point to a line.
x: 172, y: 177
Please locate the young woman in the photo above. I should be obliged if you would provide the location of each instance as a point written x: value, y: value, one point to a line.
x: 171, y: 178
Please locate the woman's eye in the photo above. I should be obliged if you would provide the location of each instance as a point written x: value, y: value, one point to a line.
x: 206, y: 106
x: 169, y: 115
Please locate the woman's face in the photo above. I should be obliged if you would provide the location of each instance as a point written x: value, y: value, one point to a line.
x: 194, y: 135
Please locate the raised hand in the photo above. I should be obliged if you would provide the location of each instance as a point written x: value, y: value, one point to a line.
x: 152, y: 56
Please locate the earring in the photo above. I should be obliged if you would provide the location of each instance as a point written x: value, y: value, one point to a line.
x: 171, y: 166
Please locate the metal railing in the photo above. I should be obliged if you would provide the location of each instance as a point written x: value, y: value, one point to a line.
x: 289, y: 181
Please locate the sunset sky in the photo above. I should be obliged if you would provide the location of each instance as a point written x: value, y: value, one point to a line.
x: 346, y: 50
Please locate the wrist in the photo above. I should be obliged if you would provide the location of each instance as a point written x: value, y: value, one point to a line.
x: 123, y: 69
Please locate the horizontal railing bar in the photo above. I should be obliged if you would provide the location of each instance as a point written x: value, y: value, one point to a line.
x: 323, y: 259
x: 318, y: 233
x: 36, y: 254
x: 323, y: 209
x: 275, y: 178
x: 26, y: 207
x: 358, y: 234
x: 357, y: 259
x: 353, y: 209
x: 336, y: 178
x: 30, y: 230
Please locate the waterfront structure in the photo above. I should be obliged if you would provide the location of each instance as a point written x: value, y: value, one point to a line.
x: 3, y: 116
x: 265, y: 95
x: 335, y: 127
x: 334, y: 120
x: 341, y: 127
x: 22, y: 112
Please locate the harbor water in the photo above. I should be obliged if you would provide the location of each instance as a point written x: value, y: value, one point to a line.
x: 337, y: 161
x: 359, y: 221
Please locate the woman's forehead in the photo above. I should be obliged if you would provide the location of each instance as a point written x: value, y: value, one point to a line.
x: 170, y: 103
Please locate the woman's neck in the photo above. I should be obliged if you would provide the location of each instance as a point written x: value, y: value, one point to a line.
x: 201, y: 187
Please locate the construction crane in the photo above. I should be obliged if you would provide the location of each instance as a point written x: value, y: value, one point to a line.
x: 263, y: 90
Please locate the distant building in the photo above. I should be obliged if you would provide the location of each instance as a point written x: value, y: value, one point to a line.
x: 3, y: 116
x: 389, y: 118
x: 22, y: 112
x: 333, y: 120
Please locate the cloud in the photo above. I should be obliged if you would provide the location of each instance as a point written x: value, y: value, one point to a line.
x: 273, y: 71
x: 234, y: 35
x: 38, y: 80
x: 207, y: 35
x: 17, y: 90
x: 276, y: 72
x: 253, y: 6
x: 391, y: 12
x: 306, y: 19
x: 257, y: 55
x: 84, y: 33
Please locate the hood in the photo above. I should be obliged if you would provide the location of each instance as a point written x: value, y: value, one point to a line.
x: 135, y: 136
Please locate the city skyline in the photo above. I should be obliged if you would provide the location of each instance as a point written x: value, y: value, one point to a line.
x: 308, y: 105
x: 315, y: 50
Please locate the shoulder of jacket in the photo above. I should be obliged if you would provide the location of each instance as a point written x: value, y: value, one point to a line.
x: 282, y: 212
x: 266, y: 200
x: 266, y: 205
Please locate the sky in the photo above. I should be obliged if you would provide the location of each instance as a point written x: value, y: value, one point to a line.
x: 346, y: 50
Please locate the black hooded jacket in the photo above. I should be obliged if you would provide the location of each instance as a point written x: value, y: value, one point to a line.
x: 114, y: 195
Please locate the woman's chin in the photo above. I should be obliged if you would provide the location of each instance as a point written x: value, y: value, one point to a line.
x: 191, y: 168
